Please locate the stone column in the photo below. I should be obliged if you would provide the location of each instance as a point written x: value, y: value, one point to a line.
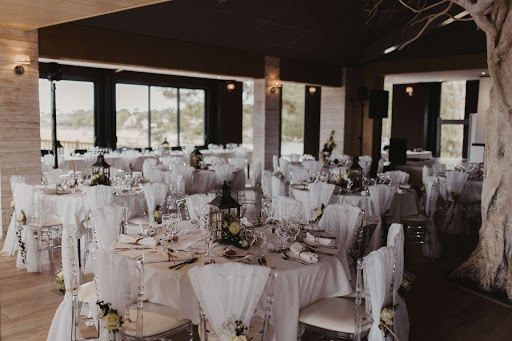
x: 20, y: 141
x: 267, y: 114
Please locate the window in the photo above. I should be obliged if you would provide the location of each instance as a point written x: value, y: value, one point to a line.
x: 386, y: 122
x: 248, y: 113
x: 146, y: 115
x: 75, y: 114
x: 452, y: 119
x: 292, y: 119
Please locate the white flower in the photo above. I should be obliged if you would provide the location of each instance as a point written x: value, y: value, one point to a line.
x: 386, y: 316
x: 111, y: 321
x: 157, y: 214
x: 12, y: 204
x: 233, y: 337
x: 234, y: 228
x: 244, y: 243
x: 338, y: 179
x: 319, y: 212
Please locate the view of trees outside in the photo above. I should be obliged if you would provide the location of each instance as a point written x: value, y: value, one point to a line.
x: 386, y: 122
x: 248, y: 113
x: 75, y: 114
x: 453, y: 101
x: 132, y: 103
x: 132, y: 115
x: 192, y: 113
x: 292, y: 120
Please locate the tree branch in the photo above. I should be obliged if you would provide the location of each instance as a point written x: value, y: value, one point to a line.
x: 373, y: 11
x: 415, y: 10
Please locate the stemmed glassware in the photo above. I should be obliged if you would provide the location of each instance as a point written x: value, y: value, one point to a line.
x: 208, y: 237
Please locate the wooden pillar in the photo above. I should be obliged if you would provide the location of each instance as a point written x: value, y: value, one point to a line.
x: 267, y: 114
x: 229, y: 119
x: 20, y: 139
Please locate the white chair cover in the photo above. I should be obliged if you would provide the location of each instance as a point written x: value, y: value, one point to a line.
x: 98, y: 196
x: 284, y: 167
x: 455, y: 181
x: 286, y: 206
x: 53, y: 175
x: 343, y: 221
x: 106, y: 222
x: 431, y: 192
x: 230, y: 290
x: 320, y: 194
x: 256, y: 173
x: 224, y: 172
x: 380, y: 166
x: 114, y: 277
x: 266, y: 184
x: 10, y: 242
x: 241, y: 151
x: 398, y: 177
x: 439, y: 169
x: 427, y: 174
x: 298, y: 174
x: 382, y: 198
x: 275, y: 163
x: 154, y: 175
x: 148, y: 165
x: 197, y: 205
x: 313, y: 166
x: 401, y: 318
x: 278, y: 187
x: 60, y: 330
x: 365, y: 162
x: 155, y: 194
x: 238, y: 162
x: 378, y: 276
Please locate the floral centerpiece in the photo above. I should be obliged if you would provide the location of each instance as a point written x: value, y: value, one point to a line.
x: 328, y: 147
x: 112, y: 321
x: 319, y: 212
x: 157, y: 214
x: 22, y: 220
x: 231, y: 231
x: 386, y: 318
x: 235, y: 329
x: 59, y: 281
x: 97, y: 179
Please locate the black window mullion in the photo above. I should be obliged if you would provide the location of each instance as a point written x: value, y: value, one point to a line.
x: 149, y: 116
x: 178, y: 127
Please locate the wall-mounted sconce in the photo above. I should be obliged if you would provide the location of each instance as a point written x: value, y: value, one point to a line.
x: 275, y: 86
x: 312, y: 90
x: 20, y: 60
x: 230, y: 86
x: 409, y: 90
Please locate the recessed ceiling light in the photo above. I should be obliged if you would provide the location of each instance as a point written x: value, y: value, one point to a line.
x: 483, y: 72
x: 390, y: 49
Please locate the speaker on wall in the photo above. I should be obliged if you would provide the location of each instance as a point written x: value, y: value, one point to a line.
x: 379, y: 101
x: 54, y: 72
x: 398, y: 151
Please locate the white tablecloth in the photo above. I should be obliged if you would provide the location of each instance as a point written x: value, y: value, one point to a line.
x: 204, y: 181
x: 296, y: 285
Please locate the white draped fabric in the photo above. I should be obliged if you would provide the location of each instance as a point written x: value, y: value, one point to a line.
x: 433, y: 247
x: 256, y: 173
x: 382, y: 198
x: 238, y: 162
x: 53, y: 176
x: 365, y: 162
x: 298, y: 174
x: 313, y: 166
x: 439, y: 169
x: 197, y: 205
x: 224, y: 172
x: 202, y: 181
x: 398, y: 177
x: 427, y: 174
x: 401, y: 318
x: 10, y: 243
x: 380, y: 166
x: 98, y: 196
x: 106, y: 223
x: 228, y: 290
x: 455, y: 181
x: 288, y: 207
x: 378, y: 275
x: 155, y: 195
x: 319, y: 194
x: 284, y: 167
x: 60, y: 329
x: 266, y: 184
x: 279, y: 187
x: 148, y: 165
x: 275, y: 163
x: 154, y: 175
x: 343, y: 221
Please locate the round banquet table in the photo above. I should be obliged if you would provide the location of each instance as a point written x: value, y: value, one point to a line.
x: 69, y: 207
x: 204, y: 180
x: 404, y: 204
x: 296, y: 285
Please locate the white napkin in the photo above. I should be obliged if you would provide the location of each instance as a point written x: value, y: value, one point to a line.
x: 245, y: 221
x: 129, y: 239
x: 321, y: 240
x: 300, y: 251
x: 311, y: 227
x: 163, y: 256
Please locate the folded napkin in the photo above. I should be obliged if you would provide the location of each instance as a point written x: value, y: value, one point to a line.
x: 165, y: 256
x: 311, y: 227
x: 245, y: 221
x: 300, y: 251
x: 136, y: 240
x: 322, y: 240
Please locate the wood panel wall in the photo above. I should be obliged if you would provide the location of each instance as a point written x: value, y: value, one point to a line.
x: 332, y: 116
x: 20, y: 141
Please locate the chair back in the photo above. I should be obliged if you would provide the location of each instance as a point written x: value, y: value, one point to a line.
x: 148, y: 165
x: 16, y: 179
x: 97, y: 196
x: 257, y: 173
x: 231, y: 291
x: 288, y: 207
x: 344, y: 221
x: 398, y: 177
x: 155, y: 195
x: 431, y: 194
x: 298, y: 174
x: 238, y: 162
x: 313, y: 166
x: 107, y: 224
x: 266, y: 184
x: 224, y: 172
x: 53, y: 175
x: 365, y: 162
x: 198, y: 205
x: 182, y: 209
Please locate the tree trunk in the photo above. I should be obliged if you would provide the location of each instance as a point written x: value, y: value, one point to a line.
x: 489, y: 266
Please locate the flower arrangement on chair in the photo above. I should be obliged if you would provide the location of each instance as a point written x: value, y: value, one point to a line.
x: 157, y: 214
x: 328, y: 147
x: 319, y: 212
x: 59, y: 281
x: 386, y: 319
x: 22, y: 220
x: 235, y: 329
x: 112, y: 321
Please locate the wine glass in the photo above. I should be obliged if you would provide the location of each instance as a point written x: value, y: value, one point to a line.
x: 208, y: 237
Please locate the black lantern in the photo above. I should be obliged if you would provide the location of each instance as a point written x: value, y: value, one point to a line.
x: 196, y: 158
x: 165, y: 146
x: 102, y: 169
x: 356, y: 173
x: 223, y: 211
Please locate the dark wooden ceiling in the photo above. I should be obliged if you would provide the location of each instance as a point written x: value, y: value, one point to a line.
x: 331, y: 32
